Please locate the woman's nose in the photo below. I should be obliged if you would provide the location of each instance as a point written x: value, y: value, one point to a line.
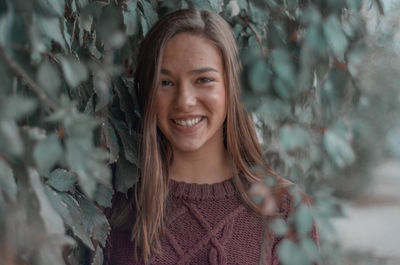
x: 185, y: 97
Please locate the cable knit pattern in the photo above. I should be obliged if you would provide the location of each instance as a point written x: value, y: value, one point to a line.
x: 207, y: 224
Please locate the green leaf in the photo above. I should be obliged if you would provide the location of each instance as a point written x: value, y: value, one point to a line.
x: 98, y: 256
x: 127, y: 102
x: 94, y: 220
x: 111, y: 140
x: 234, y: 8
x: 290, y: 254
x: 130, y: 19
x: 7, y: 180
x: 48, y: 78
x: 279, y: 226
x: 273, y: 110
x: 10, y: 139
x: 16, y: 107
x: 87, y: 161
x: 77, y: 159
x: 92, y: 47
x: 311, y: 250
x: 74, y: 71
x: 80, y: 125
x: 294, y: 137
x: 66, y: 35
x: 101, y: 85
x: 47, y: 153
x: 338, y: 148
x: 52, y: 7
x: 54, y: 239
x: 6, y: 22
x: 103, y: 195
x: 68, y: 208
x: 117, y: 41
x: 38, y: 41
x: 259, y: 77
x: 310, y: 15
x: 216, y: 4
x: 89, y: 108
x: 149, y: 12
x: 130, y: 141
x: 335, y: 36
x: 237, y: 30
x: 282, y: 66
x: 258, y: 15
x: 304, y: 114
x: 108, y: 26
x: 52, y: 220
x: 393, y: 141
x: 145, y: 26
x: 354, y: 4
x: 315, y: 40
x: 51, y: 28
x: 242, y: 4
x: 86, y: 22
x: 303, y: 220
x: 126, y: 175
x: 62, y: 180
x: 292, y: 4
x: 81, y: 3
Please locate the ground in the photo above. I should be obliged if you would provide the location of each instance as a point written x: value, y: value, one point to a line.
x: 372, y: 221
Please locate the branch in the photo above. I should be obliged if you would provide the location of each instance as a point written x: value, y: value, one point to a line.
x: 326, y: 76
x: 28, y: 80
x: 258, y: 39
x: 380, y: 7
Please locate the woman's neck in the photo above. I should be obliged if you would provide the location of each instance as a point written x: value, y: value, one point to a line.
x: 201, y: 167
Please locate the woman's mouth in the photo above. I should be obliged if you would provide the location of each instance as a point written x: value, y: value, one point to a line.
x: 187, y: 122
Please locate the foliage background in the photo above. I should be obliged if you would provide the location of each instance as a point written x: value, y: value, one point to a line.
x: 68, y: 112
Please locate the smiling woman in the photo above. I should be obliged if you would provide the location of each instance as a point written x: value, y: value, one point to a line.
x: 200, y: 155
x: 191, y: 109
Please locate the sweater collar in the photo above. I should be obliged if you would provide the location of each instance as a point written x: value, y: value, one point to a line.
x: 220, y: 190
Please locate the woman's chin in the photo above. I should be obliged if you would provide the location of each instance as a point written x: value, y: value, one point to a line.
x: 187, y: 148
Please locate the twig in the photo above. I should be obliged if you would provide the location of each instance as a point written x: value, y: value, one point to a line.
x: 380, y: 7
x: 24, y: 76
x: 324, y: 79
x: 258, y: 39
x: 73, y: 30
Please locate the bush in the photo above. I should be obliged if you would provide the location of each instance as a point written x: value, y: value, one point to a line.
x: 67, y: 111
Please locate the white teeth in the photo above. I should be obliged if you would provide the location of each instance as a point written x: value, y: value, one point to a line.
x: 188, y: 123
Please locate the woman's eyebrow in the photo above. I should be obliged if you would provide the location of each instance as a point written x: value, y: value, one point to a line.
x: 194, y: 71
x: 203, y: 70
x: 166, y: 71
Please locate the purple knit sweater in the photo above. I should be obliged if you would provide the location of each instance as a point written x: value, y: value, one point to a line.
x: 207, y: 224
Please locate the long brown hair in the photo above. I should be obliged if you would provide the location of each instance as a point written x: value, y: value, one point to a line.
x: 239, y: 133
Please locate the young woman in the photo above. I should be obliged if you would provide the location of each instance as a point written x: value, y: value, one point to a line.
x: 200, y: 155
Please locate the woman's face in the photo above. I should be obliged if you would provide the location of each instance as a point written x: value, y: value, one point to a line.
x: 191, y: 97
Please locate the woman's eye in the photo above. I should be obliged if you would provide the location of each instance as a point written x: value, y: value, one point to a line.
x: 204, y: 80
x: 166, y: 83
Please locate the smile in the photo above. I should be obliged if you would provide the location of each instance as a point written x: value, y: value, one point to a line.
x: 188, y: 122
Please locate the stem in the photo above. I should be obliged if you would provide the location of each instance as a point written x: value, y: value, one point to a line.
x: 29, y: 81
x: 258, y: 39
x: 380, y: 7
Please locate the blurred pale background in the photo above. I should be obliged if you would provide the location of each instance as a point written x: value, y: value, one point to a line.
x: 370, y: 230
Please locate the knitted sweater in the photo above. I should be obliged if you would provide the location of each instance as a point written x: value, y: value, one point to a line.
x: 207, y: 224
